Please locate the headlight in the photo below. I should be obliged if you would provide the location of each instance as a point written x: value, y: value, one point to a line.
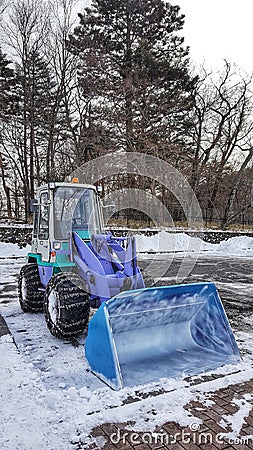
x: 57, y: 245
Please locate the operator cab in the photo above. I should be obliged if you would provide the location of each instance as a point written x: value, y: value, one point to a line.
x: 61, y: 208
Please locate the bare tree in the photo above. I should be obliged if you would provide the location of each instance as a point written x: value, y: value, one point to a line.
x: 229, y: 213
x: 3, y: 7
x: 58, y: 60
x: 223, y: 132
x: 26, y: 27
x: 70, y: 99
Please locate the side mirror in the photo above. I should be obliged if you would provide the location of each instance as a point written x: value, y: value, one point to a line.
x: 99, y: 189
x: 33, y: 204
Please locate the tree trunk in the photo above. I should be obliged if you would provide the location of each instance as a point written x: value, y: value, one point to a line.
x: 6, y: 189
x: 230, y: 203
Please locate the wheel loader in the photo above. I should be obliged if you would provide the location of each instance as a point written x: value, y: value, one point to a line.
x: 137, y: 334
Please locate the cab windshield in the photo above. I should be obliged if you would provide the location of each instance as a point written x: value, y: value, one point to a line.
x: 75, y: 209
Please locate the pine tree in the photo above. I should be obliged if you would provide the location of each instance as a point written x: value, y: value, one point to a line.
x: 8, y: 108
x: 134, y: 71
x: 7, y: 83
x: 35, y: 90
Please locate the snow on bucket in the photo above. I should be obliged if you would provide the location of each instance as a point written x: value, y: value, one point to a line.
x: 141, y: 336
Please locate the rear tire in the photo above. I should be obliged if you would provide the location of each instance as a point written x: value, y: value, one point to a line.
x: 66, y: 306
x: 31, y: 299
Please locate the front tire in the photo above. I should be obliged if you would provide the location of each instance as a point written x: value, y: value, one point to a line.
x: 31, y: 299
x: 66, y: 306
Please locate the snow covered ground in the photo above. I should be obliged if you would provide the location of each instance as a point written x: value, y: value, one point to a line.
x: 8, y: 250
x: 49, y: 399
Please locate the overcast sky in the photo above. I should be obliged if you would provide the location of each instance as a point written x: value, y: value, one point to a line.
x: 218, y: 29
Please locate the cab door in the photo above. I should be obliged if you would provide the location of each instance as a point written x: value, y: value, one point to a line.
x: 35, y: 210
x: 43, y: 227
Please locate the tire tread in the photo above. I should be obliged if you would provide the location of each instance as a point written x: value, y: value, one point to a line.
x: 34, y: 297
x: 73, y: 307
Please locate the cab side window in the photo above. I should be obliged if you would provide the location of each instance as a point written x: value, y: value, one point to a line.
x: 44, y: 217
x: 36, y: 221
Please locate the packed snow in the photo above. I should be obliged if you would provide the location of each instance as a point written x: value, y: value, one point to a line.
x: 49, y: 398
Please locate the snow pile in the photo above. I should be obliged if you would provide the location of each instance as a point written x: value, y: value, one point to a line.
x: 167, y: 242
x: 236, y: 245
x: 182, y: 242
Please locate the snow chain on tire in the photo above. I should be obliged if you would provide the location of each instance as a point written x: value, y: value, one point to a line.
x: 30, y: 297
x: 66, y: 305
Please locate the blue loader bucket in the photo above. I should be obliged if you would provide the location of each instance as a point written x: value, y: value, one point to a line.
x: 162, y: 332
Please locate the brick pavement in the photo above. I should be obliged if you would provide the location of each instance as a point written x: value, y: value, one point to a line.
x: 175, y: 437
